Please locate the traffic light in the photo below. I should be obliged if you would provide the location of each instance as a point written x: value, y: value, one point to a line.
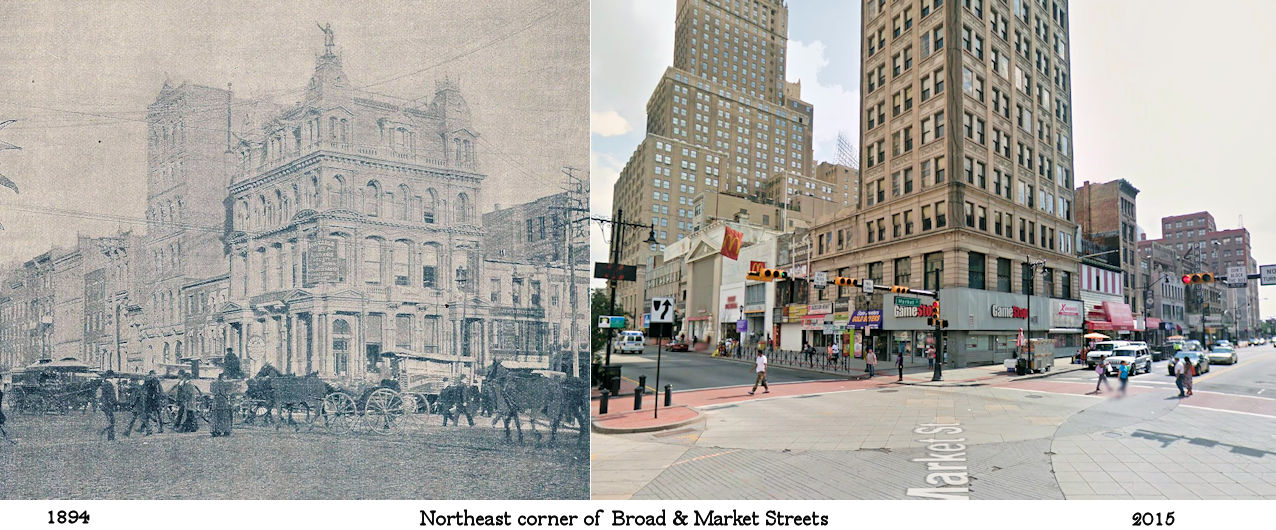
x: 936, y: 322
x: 900, y: 289
x: 1198, y: 277
x: 847, y: 282
x: 767, y: 275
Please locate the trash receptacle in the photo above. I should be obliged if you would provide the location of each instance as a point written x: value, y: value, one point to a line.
x: 1021, y: 365
x: 611, y: 379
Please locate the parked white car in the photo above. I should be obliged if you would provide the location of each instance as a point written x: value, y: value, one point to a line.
x: 1139, y: 357
x: 1102, y: 350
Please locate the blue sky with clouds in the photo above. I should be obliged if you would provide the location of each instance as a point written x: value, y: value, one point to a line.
x: 1165, y: 94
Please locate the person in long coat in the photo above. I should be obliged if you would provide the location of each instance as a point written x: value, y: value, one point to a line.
x: 221, y: 390
x: 153, y: 394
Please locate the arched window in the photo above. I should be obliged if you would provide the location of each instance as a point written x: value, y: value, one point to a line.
x: 402, y: 250
x: 469, y: 152
x: 405, y: 202
x: 314, y: 192
x: 431, y: 206
x: 428, y: 257
x: 177, y: 351
x: 456, y: 144
x: 462, y: 208
x: 332, y: 128
x: 259, y: 216
x: 167, y: 354
x: 345, y: 130
x: 372, y: 198
x: 340, y: 346
x: 337, y: 192
x: 282, y: 204
x: 345, y: 251
x: 372, y: 260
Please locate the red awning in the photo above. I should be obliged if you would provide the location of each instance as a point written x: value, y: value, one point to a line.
x: 1110, y: 316
x: 1153, y: 322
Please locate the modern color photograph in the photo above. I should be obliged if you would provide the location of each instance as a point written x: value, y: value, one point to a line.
x: 929, y: 249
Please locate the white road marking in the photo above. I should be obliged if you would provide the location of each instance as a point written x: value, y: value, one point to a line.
x: 1260, y: 391
x: 1231, y: 411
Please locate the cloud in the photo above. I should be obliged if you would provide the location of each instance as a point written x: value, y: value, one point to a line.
x: 604, y: 169
x: 608, y: 123
x: 836, y: 108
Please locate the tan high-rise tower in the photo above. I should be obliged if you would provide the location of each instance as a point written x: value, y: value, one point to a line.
x: 722, y: 119
x: 965, y: 128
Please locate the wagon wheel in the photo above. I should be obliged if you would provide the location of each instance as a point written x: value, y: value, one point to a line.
x: 37, y: 404
x: 203, y: 406
x: 417, y: 409
x: 384, y: 412
x: 339, y: 412
x: 247, y: 411
x: 168, y: 412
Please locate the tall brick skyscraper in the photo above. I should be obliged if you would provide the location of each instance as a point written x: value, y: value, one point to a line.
x: 721, y: 119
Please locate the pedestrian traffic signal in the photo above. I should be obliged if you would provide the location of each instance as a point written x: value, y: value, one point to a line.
x: 936, y: 322
x: 1198, y: 277
x: 767, y: 275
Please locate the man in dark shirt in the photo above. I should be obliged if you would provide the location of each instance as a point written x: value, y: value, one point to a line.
x: 108, y: 401
x: 153, y: 395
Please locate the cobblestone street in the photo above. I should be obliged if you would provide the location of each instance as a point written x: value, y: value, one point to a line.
x: 60, y: 457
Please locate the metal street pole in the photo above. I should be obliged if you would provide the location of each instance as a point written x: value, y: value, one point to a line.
x: 617, y: 233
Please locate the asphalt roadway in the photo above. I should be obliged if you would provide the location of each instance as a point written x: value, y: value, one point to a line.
x: 695, y: 371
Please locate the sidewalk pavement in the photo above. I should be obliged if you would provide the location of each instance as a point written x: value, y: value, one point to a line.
x: 621, y: 417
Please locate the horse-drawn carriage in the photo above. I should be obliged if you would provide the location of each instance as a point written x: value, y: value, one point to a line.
x: 53, y: 387
x: 309, y: 402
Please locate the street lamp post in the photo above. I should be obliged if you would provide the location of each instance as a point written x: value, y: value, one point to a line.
x: 463, y: 346
x: 1032, y: 275
x: 618, y: 234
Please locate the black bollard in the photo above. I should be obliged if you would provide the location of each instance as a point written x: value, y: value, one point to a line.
x: 668, y: 395
x: 602, y: 401
x: 638, y: 398
x: 642, y: 381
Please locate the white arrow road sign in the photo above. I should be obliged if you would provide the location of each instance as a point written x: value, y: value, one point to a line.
x: 662, y: 310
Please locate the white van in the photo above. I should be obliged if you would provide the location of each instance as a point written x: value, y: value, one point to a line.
x: 630, y: 342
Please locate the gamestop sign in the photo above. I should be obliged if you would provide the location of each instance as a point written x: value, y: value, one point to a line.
x: 903, y: 311
x: 1009, y: 311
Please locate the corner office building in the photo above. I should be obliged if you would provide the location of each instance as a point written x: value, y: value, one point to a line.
x: 966, y: 142
x: 722, y: 119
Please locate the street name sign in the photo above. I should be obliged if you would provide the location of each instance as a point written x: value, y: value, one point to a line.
x: 867, y: 285
x: 1267, y: 275
x: 611, y: 322
x: 662, y: 310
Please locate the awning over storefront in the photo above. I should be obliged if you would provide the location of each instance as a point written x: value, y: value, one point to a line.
x: 1110, y: 316
x: 1058, y: 331
x: 1153, y: 322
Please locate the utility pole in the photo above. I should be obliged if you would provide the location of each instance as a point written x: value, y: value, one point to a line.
x: 575, y: 189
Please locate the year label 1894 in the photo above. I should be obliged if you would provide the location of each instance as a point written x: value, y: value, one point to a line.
x: 68, y: 517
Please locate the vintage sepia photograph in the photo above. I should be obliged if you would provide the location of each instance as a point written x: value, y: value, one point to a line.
x: 287, y: 250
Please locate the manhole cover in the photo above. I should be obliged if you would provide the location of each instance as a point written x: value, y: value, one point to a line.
x: 1034, y: 396
x: 1112, y: 434
x: 888, y: 390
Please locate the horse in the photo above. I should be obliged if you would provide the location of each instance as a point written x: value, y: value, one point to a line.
x: 534, y: 395
x: 458, y: 397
